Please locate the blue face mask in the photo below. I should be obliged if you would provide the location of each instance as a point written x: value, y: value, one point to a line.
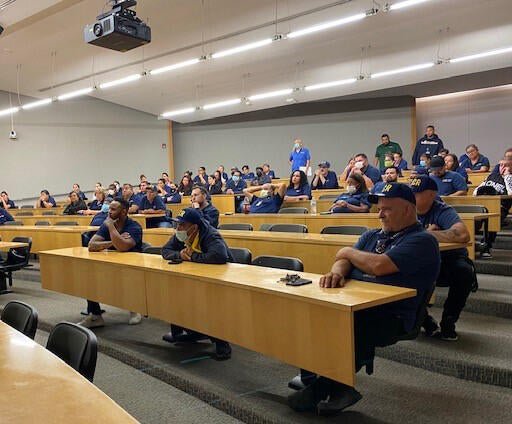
x: 423, y: 163
x: 105, y: 207
x: 296, y: 146
x: 235, y: 178
x: 181, y: 235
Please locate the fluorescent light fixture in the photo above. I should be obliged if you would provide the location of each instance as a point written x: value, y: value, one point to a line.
x: 270, y: 94
x: 9, y: 111
x: 37, y: 104
x: 120, y: 81
x: 326, y: 25
x: 329, y: 84
x: 242, y: 48
x: 403, y: 70
x: 224, y: 103
x: 178, y: 112
x: 175, y: 66
x: 75, y: 93
x: 481, y: 55
x: 406, y: 3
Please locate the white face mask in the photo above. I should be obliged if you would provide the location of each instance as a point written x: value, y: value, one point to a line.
x: 181, y: 235
x: 296, y: 146
x: 359, y: 164
x: 351, y: 189
x: 263, y: 193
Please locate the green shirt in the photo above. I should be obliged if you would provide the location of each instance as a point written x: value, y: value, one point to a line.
x: 384, y: 149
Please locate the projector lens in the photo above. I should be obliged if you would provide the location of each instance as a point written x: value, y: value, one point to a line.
x: 98, y: 30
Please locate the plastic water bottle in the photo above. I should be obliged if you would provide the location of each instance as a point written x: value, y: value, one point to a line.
x: 312, y: 206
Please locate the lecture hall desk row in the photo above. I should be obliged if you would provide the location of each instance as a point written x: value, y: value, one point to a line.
x: 83, y: 220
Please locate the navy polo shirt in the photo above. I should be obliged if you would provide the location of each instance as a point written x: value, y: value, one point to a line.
x: 482, y: 161
x: 11, y: 204
x: 50, y: 200
x: 269, y: 204
x: 496, y: 169
x: 174, y: 198
x: 237, y: 187
x: 416, y: 255
x: 95, y: 205
x: 156, y: 204
x: 131, y: 227
x: 356, y: 199
x: 373, y: 174
x: 299, y: 158
x: 449, y: 183
x: 197, y: 181
x: 331, y: 181
x: 5, y: 216
x: 249, y: 176
x: 98, y: 219
x: 301, y: 191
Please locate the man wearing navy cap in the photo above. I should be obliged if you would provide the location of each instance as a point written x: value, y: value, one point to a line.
x: 324, y: 177
x: 449, y: 183
x: 152, y: 204
x: 401, y: 254
x: 195, y: 240
x: 441, y: 220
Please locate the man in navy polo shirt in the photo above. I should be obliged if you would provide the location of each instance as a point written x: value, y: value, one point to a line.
x: 299, y: 157
x: 127, y: 194
x: 198, y: 199
x: 5, y: 216
x: 441, y: 220
x: 141, y: 194
x: 118, y: 232
x: 324, y: 177
x: 268, y: 201
x: 45, y: 200
x: 507, y: 156
x: 401, y: 254
x: 247, y: 174
x: 475, y: 162
x: 449, y: 183
x: 236, y: 185
x: 370, y: 174
x: 152, y: 204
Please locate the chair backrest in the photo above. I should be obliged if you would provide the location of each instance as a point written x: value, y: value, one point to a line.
x: 265, y: 227
x: 241, y: 255
x: 354, y: 230
x: 152, y: 250
x: 25, y: 214
x: 21, y: 316
x: 281, y: 262
x: 26, y: 207
x: 144, y: 245
x: 13, y: 223
x: 42, y: 223
x: 49, y: 213
x: 66, y: 223
x: 289, y: 228
x: 241, y: 226
x: 293, y: 210
x: 77, y: 346
x: 470, y: 208
x: 328, y: 197
x: 86, y: 238
x: 20, y: 255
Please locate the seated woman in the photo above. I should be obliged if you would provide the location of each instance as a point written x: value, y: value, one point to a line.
x: 355, y: 199
x: 214, y: 184
x: 186, y: 185
x: 452, y: 164
x: 76, y: 205
x: 95, y: 206
x: 163, y: 189
x: 399, y: 162
x: 45, y: 200
x: 174, y: 196
x: 299, y: 188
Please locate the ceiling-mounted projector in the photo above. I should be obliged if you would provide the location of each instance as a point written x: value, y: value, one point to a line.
x: 119, y: 29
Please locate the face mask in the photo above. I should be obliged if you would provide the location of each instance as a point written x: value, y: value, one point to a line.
x: 259, y: 173
x: 351, y: 189
x: 388, y: 163
x: 111, y: 192
x: 423, y: 163
x: 235, y: 178
x: 104, y: 207
x: 263, y: 193
x: 296, y: 146
x: 181, y: 235
x: 359, y: 165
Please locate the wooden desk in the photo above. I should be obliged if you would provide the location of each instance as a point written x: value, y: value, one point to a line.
x: 6, y: 245
x: 83, y: 220
x: 264, y: 315
x: 478, y: 178
x: 37, y: 387
x: 37, y: 211
x: 321, y: 205
x: 223, y: 202
x: 316, y: 251
x: 333, y: 192
x: 47, y: 237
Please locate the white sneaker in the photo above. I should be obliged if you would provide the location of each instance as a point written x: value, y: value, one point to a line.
x: 135, y: 318
x: 92, y: 321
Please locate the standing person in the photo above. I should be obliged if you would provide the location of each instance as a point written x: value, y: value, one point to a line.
x: 387, y: 147
x: 298, y: 187
x: 400, y: 254
x: 5, y: 202
x: 449, y: 183
x: 118, y: 232
x: 324, y: 177
x: 429, y: 144
x: 299, y: 157
x: 475, y: 163
x: 45, y: 200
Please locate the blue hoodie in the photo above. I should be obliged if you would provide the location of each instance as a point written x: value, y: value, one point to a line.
x: 427, y: 145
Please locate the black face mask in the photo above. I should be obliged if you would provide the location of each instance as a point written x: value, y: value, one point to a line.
x: 259, y: 173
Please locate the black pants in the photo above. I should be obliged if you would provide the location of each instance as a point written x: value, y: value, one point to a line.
x: 457, y: 274
x: 93, y: 307
x: 176, y: 330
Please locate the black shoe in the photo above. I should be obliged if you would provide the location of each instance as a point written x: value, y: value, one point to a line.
x: 339, y: 399
x: 449, y: 334
x: 307, y: 399
x: 430, y: 326
x: 301, y: 381
x: 222, y: 351
x: 183, y: 337
x: 171, y: 338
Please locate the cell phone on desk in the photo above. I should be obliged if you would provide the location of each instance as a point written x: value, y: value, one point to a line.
x: 175, y: 261
x: 298, y: 282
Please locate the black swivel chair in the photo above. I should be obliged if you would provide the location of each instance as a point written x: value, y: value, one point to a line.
x: 25, y: 214
x: 49, y: 213
x: 77, y: 346
x: 43, y: 223
x: 241, y: 255
x: 281, y: 262
x: 13, y: 223
x: 483, y: 223
x: 295, y: 210
x: 152, y: 250
x: 353, y: 230
x: 289, y: 228
x: 66, y: 223
x: 21, y: 317
x: 265, y: 227
x: 17, y: 258
x: 240, y: 226
x: 328, y: 197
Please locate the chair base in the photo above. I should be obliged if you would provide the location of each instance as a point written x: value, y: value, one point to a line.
x: 4, y: 291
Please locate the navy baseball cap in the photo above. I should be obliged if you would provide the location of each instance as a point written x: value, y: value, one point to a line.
x: 151, y: 187
x: 421, y: 183
x: 324, y: 163
x: 420, y: 170
x: 437, y: 163
x: 392, y: 191
x: 191, y: 215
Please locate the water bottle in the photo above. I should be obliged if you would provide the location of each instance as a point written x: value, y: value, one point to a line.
x: 312, y: 206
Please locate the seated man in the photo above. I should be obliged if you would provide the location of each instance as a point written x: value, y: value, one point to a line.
x: 260, y: 178
x: 401, y: 254
x: 195, y: 240
x: 268, y: 201
x: 370, y: 174
x: 441, y: 220
x: 449, y: 183
x: 267, y: 171
x: 247, y: 174
x: 199, y: 202
x: 201, y: 179
x: 127, y: 194
x: 118, y: 232
x: 236, y: 185
x: 507, y: 157
x: 5, y: 202
x: 324, y: 177
x: 152, y: 204
x: 390, y: 176
x: 45, y: 200
x: 141, y: 194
